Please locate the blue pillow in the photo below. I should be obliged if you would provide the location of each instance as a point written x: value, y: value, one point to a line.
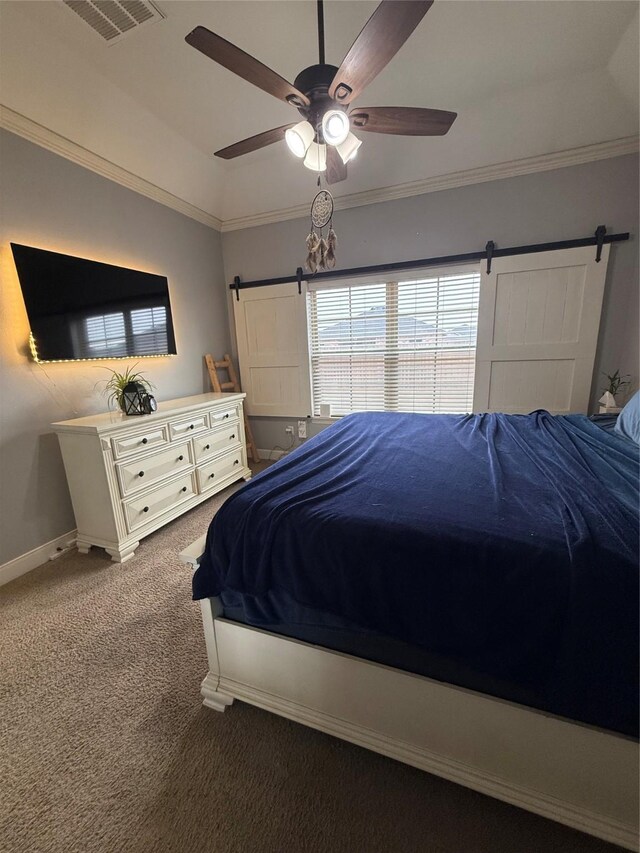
x: 628, y: 423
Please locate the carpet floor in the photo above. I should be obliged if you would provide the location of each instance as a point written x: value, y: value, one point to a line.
x: 106, y: 748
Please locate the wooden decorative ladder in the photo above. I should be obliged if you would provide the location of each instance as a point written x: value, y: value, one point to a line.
x: 232, y: 384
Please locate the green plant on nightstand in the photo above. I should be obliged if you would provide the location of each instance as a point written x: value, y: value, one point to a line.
x: 608, y: 403
x: 117, y: 382
x: 616, y: 382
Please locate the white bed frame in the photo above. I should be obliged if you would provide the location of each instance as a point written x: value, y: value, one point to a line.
x: 578, y: 775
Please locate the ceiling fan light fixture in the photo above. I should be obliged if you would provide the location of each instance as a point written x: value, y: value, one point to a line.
x: 349, y: 148
x: 316, y: 158
x: 335, y: 127
x: 299, y: 138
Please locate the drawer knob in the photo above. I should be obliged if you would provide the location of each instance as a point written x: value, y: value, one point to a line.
x: 237, y: 462
x: 190, y: 426
x: 227, y: 415
x: 207, y: 446
x: 140, y: 473
x: 180, y: 458
x: 145, y: 440
x: 184, y: 489
x: 233, y: 435
x: 145, y: 509
x: 211, y: 476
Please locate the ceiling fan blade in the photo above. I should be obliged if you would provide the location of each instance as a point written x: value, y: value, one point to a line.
x: 336, y: 169
x: 380, y: 39
x: 253, y: 143
x: 245, y: 66
x: 404, y: 121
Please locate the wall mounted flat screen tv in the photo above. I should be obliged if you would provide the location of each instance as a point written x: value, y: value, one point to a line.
x: 81, y: 309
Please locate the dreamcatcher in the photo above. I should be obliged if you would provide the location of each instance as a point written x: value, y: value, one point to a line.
x: 322, y: 253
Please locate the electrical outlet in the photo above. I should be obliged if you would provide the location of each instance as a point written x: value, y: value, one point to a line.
x: 302, y: 429
x: 288, y: 430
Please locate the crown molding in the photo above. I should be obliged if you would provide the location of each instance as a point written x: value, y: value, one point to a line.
x: 495, y: 172
x: 52, y: 141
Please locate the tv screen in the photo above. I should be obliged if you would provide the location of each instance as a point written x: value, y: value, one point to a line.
x: 82, y: 309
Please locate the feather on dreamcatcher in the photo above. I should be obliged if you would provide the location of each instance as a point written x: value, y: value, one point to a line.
x: 321, y: 252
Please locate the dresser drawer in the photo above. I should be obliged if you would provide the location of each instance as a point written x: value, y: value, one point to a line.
x: 140, y: 442
x: 210, y: 443
x: 210, y: 474
x: 223, y: 416
x: 188, y: 426
x: 141, y: 472
x: 145, y: 508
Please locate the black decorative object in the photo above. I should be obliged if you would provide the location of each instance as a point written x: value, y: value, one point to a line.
x: 136, y: 400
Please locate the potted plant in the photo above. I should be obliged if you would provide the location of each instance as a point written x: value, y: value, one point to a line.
x: 616, y: 382
x: 117, y: 382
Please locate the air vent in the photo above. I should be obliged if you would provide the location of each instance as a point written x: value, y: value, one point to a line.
x: 112, y: 19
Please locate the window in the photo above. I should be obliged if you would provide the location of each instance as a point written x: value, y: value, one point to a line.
x: 404, y: 345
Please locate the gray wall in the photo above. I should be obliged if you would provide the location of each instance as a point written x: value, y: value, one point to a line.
x: 49, y: 202
x: 547, y: 206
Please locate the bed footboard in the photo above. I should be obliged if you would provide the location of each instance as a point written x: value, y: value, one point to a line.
x: 574, y: 774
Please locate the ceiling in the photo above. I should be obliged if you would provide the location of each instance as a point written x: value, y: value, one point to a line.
x: 526, y: 78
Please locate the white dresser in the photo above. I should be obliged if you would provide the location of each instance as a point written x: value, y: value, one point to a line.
x: 128, y: 476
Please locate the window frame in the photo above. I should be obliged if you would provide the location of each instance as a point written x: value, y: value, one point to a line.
x: 390, y: 280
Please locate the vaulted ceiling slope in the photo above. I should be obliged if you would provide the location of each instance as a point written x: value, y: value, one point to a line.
x: 526, y: 78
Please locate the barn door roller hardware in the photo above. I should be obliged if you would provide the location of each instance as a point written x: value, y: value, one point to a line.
x: 489, y: 249
x: 601, y: 232
x: 599, y: 238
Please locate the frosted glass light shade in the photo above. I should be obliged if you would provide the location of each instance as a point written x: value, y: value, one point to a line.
x: 349, y: 148
x: 316, y: 158
x: 335, y: 127
x: 299, y: 138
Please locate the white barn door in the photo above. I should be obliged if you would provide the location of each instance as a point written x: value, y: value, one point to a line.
x: 538, y: 323
x: 273, y: 350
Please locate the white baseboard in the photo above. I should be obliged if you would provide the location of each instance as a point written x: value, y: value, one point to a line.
x: 32, y: 559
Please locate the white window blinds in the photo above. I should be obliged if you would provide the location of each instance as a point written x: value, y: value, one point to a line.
x: 405, y: 346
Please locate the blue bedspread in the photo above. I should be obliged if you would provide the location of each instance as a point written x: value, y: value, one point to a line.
x: 506, y: 542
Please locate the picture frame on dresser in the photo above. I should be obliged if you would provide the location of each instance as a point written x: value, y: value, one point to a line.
x: 130, y: 476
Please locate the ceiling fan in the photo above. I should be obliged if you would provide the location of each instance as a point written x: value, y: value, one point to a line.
x: 323, y: 94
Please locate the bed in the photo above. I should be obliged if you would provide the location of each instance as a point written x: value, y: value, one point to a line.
x: 456, y: 592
